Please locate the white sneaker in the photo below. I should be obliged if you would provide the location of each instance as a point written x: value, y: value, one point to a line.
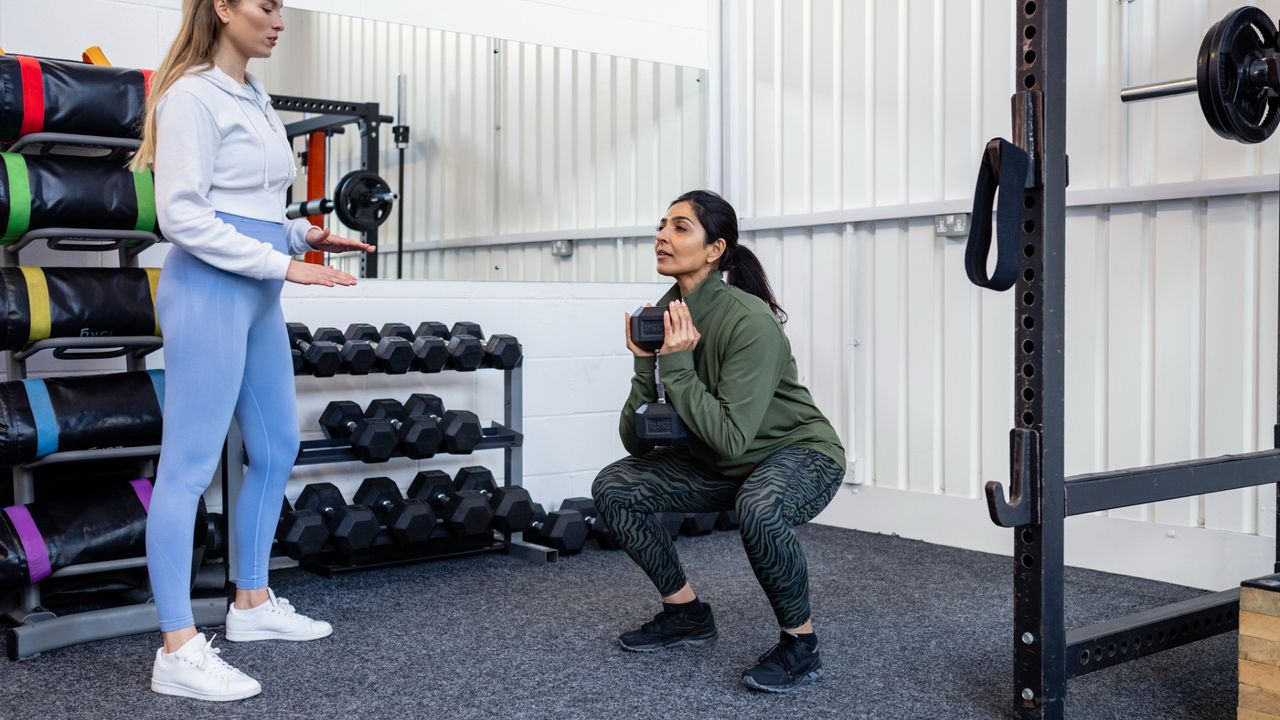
x: 196, y: 671
x: 274, y: 619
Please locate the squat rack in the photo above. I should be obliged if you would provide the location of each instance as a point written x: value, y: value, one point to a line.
x: 1032, y: 222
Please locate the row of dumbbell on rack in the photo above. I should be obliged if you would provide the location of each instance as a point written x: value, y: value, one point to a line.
x: 417, y: 428
x: 468, y: 507
x: 397, y: 349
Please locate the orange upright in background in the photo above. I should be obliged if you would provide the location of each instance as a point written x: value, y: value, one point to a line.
x: 315, y: 185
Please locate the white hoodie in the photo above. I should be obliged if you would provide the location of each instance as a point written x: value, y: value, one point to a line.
x: 218, y: 148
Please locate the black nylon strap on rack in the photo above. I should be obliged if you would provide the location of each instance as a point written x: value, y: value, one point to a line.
x: 1004, y: 166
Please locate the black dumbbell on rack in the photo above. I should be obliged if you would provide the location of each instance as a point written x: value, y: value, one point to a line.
x: 393, y: 355
x: 357, y: 358
x: 460, y: 429
x: 563, y: 530
x: 317, y: 357
x: 418, y: 437
x: 430, y: 352
x: 511, y: 505
x: 727, y: 520
x: 408, y: 521
x: 300, y: 532
x: 372, y: 439
x: 698, y: 523
x: 464, y: 352
x: 603, y: 535
x: 499, y: 351
x: 464, y: 514
x: 351, y: 527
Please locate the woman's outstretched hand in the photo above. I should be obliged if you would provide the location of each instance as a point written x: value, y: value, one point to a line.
x: 310, y: 274
x: 321, y: 240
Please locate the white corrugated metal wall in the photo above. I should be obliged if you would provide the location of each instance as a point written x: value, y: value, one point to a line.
x: 508, y: 138
x: 849, y: 124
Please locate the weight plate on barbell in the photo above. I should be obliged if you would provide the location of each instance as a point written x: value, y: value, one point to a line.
x: 1237, y: 102
x: 357, y: 203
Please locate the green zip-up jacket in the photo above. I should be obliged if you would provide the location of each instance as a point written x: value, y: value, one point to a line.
x: 737, y: 391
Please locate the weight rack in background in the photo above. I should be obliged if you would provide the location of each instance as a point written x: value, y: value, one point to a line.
x: 506, y: 436
x: 38, y: 629
x: 1046, y: 653
x: 330, y: 116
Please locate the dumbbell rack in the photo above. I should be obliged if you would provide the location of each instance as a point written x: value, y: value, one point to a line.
x: 506, y: 436
x: 37, y: 629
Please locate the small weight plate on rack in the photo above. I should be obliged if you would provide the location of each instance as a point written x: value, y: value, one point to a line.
x: 356, y: 201
x: 1231, y: 79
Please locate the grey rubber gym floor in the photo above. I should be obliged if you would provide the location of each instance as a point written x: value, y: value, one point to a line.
x: 907, y: 630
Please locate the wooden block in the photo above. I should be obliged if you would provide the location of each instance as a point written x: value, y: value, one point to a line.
x: 1263, y: 602
x: 1259, y: 626
x: 1243, y: 714
x: 1262, y: 676
x: 1259, y: 700
x: 1266, y: 652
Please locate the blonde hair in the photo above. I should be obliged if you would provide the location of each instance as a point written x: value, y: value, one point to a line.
x: 194, y: 46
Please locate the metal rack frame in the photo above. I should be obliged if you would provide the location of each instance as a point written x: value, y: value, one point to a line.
x: 38, y: 629
x: 506, y: 436
x: 1046, y: 653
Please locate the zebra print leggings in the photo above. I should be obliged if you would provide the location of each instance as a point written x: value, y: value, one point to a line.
x: 789, y: 488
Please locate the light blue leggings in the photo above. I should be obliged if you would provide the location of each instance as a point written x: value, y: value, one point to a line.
x: 225, y: 351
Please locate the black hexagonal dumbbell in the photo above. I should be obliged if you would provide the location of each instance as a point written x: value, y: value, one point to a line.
x: 300, y: 532
x: 604, y: 536
x: 372, y: 440
x: 563, y: 530
x: 671, y: 522
x: 393, y: 355
x: 296, y: 355
x: 319, y: 358
x: 500, y: 351
x: 357, y: 357
x: 418, y: 437
x: 464, y: 514
x: 351, y: 527
x: 511, y: 505
x: 466, y: 350
x: 460, y: 428
x: 430, y: 353
x: 727, y: 520
x: 408, y: 521
x: 698, y: 523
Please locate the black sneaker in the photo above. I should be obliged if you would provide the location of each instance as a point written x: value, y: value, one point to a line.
x: 787, y: 666
x: 670, y: 629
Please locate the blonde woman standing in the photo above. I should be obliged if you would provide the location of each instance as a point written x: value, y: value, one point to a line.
x: 222, y: 164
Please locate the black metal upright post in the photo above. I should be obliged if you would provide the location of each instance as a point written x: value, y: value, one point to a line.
x: 1039, y: 124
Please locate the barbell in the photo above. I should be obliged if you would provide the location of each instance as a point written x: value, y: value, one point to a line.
x: 362, y: 201
x: 1237, y: 77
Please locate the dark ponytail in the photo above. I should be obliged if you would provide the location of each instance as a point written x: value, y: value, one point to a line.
x: 720, y: 220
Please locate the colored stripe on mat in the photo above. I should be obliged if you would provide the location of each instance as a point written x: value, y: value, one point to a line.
x: 32, y: 542
x: 32, y: 95
x: 42, y: 414
x: 145, y: 191
x: 157, y: 380
x: 15, y: 168
x: 153, y: 282
x: 142, y: 487
x: 146, y: 81
x: 37, y: 304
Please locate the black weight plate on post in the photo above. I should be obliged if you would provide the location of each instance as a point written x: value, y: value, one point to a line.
x: 352, y: 204
x: 1236, y: 105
